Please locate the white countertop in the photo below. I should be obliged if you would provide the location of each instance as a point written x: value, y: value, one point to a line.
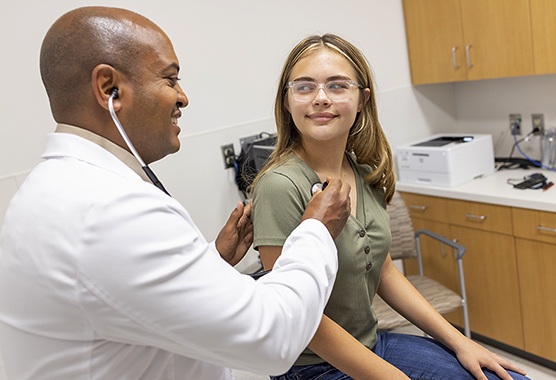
x: 495, y: 189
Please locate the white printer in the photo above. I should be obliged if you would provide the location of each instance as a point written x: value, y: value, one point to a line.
x: 446, y: 160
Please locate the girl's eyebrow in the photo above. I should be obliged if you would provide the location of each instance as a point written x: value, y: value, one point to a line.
x: 339, y: 77
x: 335, y: 77
x: 303, y: 79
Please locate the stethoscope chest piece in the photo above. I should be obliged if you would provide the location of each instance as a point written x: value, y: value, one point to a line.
x: 318, y: 185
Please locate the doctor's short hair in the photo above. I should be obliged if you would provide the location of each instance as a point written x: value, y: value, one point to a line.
x: 80, y: 40
x: 367, y: 139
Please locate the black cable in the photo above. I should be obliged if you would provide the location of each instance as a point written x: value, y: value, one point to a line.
x: 510, y: 162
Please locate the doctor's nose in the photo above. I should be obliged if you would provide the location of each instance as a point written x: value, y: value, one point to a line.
x: 182, y: 101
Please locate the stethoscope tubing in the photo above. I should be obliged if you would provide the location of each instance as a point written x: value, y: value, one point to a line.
x: 145, y: 167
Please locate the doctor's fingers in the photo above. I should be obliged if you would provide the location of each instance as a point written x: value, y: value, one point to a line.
x: 331, y: 206
x: 246, y: 216
x: 335, y: 184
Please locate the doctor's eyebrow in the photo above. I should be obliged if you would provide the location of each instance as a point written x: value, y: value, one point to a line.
x: 171, y: 67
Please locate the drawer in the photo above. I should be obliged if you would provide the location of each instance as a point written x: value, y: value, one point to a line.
x: 535, y: 225
x: 426, y: 207
x: 483, y: 216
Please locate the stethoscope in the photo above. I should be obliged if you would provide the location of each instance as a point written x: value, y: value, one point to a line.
x: 318, y: 185
x: 148, y: 171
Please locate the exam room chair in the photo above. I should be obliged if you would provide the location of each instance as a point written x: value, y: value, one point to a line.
x: 405, y: 245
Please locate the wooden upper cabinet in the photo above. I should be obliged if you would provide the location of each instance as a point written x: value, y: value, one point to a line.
x: 499, y: 35
x: 455, y: 40
x: 435, y: 41
x: 543, y: 17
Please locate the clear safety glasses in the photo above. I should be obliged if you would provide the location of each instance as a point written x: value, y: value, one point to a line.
x: 336, y: 90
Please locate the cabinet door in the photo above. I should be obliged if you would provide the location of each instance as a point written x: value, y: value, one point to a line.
x: 490, y: 280
x: 537, y: 282
x: 534, y: 224
x: 498, y: 33
x: 427, y: 207
x: 482, y: 216
x: 434, y: 35
x: 543, y: 15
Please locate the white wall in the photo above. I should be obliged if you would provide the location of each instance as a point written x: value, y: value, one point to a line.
x: 231, y: 53
x: 484, y: 106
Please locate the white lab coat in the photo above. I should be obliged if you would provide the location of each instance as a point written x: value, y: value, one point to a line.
x: 103, y: 276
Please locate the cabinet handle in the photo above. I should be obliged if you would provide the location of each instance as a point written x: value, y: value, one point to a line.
x: 546, y: 229
x: 454, y: 57
x: 422, y: 208
x: 467, y: 54
x: 482, y: 217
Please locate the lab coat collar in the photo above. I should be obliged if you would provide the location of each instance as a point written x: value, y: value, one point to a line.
x: 60, y: 145
x: 123, y: 155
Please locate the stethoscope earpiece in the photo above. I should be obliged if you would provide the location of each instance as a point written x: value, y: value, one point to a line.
x: 114, y: 93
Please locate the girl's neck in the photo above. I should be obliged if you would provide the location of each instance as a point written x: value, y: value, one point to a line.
x: 325, y: 159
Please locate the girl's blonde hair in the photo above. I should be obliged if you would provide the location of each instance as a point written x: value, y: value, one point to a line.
x: 366, y: 139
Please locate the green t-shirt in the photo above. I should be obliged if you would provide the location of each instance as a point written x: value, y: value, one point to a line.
x: 279, y: 201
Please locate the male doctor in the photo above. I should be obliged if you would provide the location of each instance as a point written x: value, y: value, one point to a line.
x: 102, y: 274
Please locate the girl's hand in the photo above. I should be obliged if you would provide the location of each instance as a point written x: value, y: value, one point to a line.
x: 475, y: 357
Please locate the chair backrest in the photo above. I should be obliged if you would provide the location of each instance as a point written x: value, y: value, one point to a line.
x: 403, y: 237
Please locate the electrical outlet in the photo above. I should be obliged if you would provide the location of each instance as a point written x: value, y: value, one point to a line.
x: 538, y: 122
x: 515, y: 123
x: 229, y: 155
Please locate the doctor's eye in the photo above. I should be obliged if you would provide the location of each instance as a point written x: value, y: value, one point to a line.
x: 173, y: 81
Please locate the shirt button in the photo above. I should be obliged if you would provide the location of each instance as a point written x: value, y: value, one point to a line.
x: 369, y: 266
x: 367, y: 249
x: 362, y: 232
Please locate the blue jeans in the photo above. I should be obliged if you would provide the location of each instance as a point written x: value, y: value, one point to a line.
x: 418, y: 357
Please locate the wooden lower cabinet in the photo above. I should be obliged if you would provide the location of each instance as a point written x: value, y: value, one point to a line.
x: 490, y: 262
x: 491, y: 282
x: 537, y: 263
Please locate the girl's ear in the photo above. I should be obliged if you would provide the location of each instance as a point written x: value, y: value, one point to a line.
x: 366, y: 97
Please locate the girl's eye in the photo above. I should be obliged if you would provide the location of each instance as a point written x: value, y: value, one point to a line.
x: 305, y: 87
x: 338, y: 85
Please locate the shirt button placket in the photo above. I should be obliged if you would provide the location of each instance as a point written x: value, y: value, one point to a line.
x: 367, y: 249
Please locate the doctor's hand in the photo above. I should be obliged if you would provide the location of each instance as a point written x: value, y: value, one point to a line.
x: 236, y: 237
x: 331, y: 206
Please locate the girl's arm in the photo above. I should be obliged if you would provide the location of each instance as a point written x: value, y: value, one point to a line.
x: 339, y: 348
x: 398, y: 292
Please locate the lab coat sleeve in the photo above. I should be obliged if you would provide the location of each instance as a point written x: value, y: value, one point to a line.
x: 148, y: 277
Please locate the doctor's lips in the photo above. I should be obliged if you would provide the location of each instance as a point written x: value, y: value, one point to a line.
x: 175, y: 117
x: 321, y: 116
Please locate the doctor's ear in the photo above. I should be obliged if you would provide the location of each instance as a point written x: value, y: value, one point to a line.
x: 106, y: 81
